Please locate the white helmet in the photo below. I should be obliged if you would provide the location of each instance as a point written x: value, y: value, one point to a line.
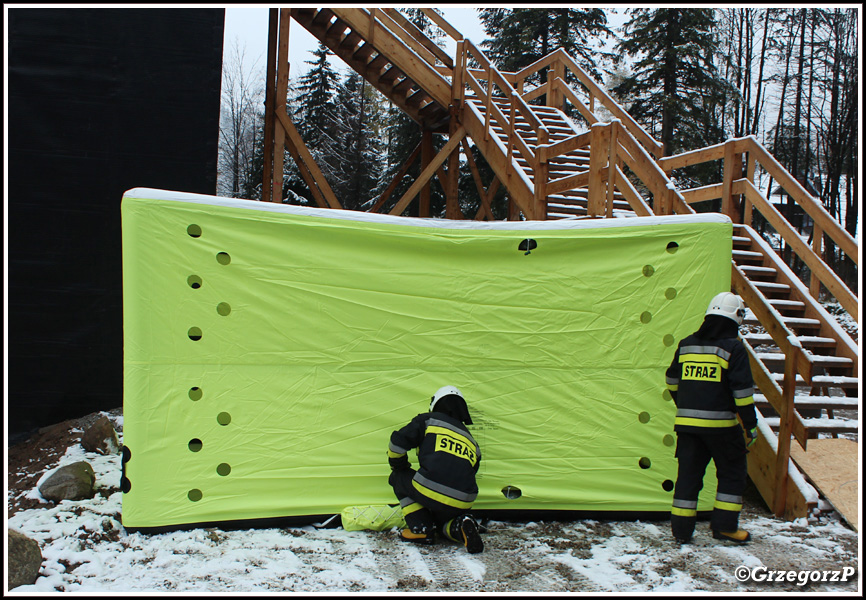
x: 728, y: 305
x: 448, y: 390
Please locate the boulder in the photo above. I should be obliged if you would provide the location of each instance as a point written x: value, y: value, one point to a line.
x: 23, y: 559
x: 101, y: 437
x: 70, y: 482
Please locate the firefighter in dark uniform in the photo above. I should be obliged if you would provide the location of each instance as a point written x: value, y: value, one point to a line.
x: 435, y: 499
x: 711, y: 383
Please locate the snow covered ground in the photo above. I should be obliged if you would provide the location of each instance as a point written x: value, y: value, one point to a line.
x: 86, y: 550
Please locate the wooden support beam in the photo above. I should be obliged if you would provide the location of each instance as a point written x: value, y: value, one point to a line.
x: 426, y: 158
x: 307, y: 159
x: 598, y: 159
x: 783, y: 450
x: 305, y: 172
x: 452, y: 201
x: 484, y: 210
x: 611, y: 166
x: 280, y: 103
x: 270, y: 92
x: 428, y: 172
x: 728, y: 176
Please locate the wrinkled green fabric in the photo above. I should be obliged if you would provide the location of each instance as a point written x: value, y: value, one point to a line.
x: 270, y: 351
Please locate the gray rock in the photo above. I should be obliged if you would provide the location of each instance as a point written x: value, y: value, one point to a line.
x: 100, y: 437
x: 70, y: 482
x: 24, y: 559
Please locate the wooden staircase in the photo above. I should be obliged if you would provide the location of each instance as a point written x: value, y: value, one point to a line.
x: 569, y: 203
x: 377, y: 53
x: 806, y: 366
x: 826, y: 395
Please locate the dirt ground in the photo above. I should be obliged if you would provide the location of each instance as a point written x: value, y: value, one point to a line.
x: 573, y: 556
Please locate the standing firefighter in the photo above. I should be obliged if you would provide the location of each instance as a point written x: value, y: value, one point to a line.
x: 711, y: 383
x: 437, y: 496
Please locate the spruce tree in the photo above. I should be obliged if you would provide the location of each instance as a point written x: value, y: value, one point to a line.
x: 358, y: 151
x: 314, y: 112
x: 674, y: 87
x: 518, y: 37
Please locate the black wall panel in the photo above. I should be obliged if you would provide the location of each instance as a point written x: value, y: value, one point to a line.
x: 99, y: 101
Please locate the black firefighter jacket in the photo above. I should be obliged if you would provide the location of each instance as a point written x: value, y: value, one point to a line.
x: 711, y: 383
x: 448, y: 458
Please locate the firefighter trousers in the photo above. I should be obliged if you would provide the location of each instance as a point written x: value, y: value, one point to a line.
x: 422, y: 514
x: 727, y: 450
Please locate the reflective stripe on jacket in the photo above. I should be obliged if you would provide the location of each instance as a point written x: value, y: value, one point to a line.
x: 711, y: 383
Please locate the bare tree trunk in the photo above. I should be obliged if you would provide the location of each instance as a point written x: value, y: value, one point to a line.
x: 754, y: 128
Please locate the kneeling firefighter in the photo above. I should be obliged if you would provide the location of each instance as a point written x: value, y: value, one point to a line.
x: 711, y: 383
x: 435, y: 498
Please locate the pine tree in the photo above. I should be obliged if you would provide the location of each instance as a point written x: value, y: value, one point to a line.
x: 314, y: 112
x: 519, y: 37
x: 357, y: 164
x: 674, y: 87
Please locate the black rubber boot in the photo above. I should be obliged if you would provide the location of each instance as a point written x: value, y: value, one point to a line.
x: 421, y: 535
x: 464, y: 529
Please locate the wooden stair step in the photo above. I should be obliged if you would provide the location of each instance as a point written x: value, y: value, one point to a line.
x: 772, y: 286
x: 818, y: 360
x: 781, y: 303
x: 579, y: 196
x: 808, y: 341
x: 821, y: 425
x: 791, y: 322
x: 757, y: 271
x: 822, y: 381
x: 817, y: 402
x: 747, y: 255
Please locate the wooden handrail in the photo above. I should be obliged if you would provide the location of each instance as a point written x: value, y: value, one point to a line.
x: 702, y: 194
x: 443, y: 24
x: 505, y: 86
x: 582, y: 108
x: 775, y: 395
x: 635, y: 201
x: 731, y: 152
x: 595, y: 91
x: 431, y: 51
x: 771, y: 320
x: 564, y: 146
x: 843, y: 240
x: 819, y: 268
x: 638, y: 160
x: 693, y: 157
